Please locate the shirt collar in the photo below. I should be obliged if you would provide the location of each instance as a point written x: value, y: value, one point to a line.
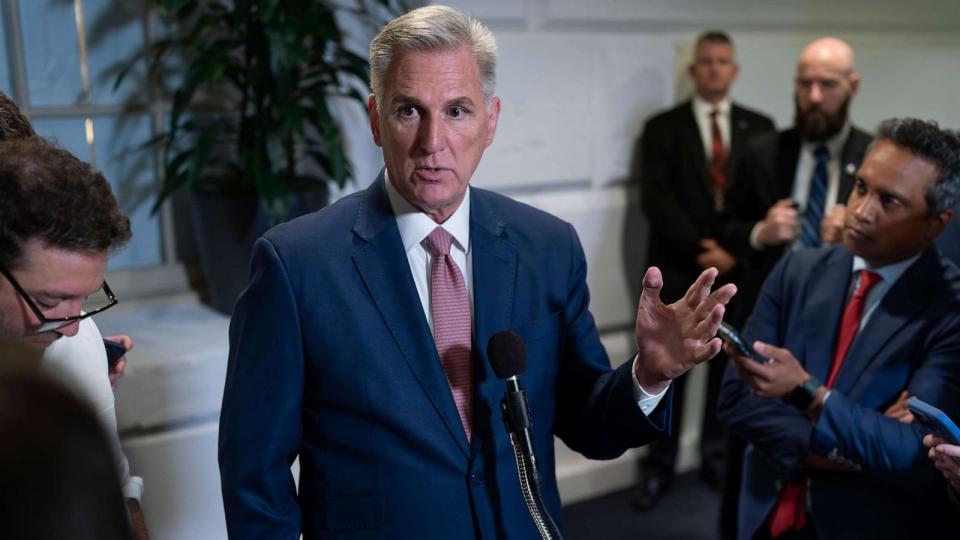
x: 890, y: 273
x: 703, y: 107
x: 834, y: 144
x: 414, y: 225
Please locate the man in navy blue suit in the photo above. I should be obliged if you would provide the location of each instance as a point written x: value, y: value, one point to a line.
x: 841, y: 333
x: 359, y: 343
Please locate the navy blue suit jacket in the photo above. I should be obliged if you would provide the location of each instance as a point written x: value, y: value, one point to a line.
x: 331, y: 359
x: 911, y: 341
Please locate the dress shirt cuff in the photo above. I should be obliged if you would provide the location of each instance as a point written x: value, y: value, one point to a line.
x: 645, y: 400
x: 133, y: 489
x: 754, y: 233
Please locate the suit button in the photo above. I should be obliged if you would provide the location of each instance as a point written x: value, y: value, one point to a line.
x: 476, y: 478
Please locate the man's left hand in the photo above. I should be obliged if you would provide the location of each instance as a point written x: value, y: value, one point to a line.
x: 946, y: 458
x: 716, y: 256
x: 673, y: 338
x: 775, y: 378
x: 831, y: 226
x: 116, y: 371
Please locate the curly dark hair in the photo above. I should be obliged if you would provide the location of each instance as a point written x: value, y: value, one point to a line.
x: 939, y: 147
x: 13, y: 124
x: 48, y: 194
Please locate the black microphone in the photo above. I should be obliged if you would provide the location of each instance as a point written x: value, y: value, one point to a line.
x: 508, y: 357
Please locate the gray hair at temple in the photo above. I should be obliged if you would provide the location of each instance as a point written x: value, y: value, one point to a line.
x: 939, y: 147
x: 433, y: 28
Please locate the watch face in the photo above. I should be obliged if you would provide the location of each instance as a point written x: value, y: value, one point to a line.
x: 802, y: 396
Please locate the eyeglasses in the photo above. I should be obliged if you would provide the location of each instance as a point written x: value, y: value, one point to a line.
x: 98, y: 301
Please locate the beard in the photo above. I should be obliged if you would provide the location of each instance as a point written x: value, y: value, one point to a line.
x: 818, y: 125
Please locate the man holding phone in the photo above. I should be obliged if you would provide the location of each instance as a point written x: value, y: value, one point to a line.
x: 59, y: 223
x: 844, y: 330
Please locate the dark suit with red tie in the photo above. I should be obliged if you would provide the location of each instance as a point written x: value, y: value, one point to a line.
x: 910, y: 342
x: 677, y: 195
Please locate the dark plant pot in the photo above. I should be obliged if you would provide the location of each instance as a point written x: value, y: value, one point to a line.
x: 226, y: 228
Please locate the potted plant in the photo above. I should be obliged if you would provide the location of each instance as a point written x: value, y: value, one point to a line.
x: 251, y: 129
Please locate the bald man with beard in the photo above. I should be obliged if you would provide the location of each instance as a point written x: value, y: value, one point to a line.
x: 789, y: 189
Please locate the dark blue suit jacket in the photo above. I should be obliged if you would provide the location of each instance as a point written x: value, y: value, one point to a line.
x: 912, y: 341
x: 331, y: 359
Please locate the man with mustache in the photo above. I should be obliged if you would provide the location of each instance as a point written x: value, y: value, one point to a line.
x: 790, y: 186
x: 842, y: 333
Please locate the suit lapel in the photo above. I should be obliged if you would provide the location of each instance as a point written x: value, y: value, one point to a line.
x: 382, y: 264
x: 494, y: 280
x: 821, y: 316
x: 789, y: 153
x: 693, y: 146
x: 850, y: 157
x: 739, y: 128
x: 907, y: 296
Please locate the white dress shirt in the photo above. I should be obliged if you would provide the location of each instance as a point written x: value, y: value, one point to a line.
x: 701, y: 111
x: 414, y: 226
x: 79, y: 362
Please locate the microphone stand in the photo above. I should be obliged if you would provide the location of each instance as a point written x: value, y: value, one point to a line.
x: 516, y: 418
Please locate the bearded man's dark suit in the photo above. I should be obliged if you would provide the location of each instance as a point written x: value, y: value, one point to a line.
x: 764, y: 176
x: 332, y: 359
x: 677, y: 196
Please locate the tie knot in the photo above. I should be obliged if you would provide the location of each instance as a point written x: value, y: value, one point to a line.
x: 714, y: 113
x: 867, y: 280
x: 438, y: 242
x: 821, y: 152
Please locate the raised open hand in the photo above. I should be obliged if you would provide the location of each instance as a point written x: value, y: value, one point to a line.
x: 673, y: 338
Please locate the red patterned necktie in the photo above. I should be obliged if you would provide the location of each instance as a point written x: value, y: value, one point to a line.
x: 790, y: 512
x: 452, y: 327
x: 718, y: 164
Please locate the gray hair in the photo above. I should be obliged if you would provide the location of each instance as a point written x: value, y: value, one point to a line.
x: 433, y: 28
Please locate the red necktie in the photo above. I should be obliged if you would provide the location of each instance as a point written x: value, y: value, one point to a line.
x: 851, y: 322
x: 452, y: 327
x: 790, y: 512
x: 718, y: 164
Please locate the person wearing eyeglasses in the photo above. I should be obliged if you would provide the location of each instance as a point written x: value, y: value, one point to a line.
x: 59, y: 223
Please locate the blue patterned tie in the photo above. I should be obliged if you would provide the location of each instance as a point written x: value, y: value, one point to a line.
x: 813, y: 215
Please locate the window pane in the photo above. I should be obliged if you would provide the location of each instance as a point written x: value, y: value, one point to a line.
x: 114, y: 31
x: 50, y: 48
x: 4, y: 67
x: 66, y: 132
x: 131, y: 173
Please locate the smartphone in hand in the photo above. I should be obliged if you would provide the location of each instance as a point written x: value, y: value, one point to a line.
x: 934, y: 420
x: 730, y: 335
x: 115, y: 352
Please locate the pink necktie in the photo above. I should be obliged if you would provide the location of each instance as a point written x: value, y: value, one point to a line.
x: 452, y: 327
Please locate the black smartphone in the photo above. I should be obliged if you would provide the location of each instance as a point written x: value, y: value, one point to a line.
x: 115, y: 352
x: 729, y: 334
